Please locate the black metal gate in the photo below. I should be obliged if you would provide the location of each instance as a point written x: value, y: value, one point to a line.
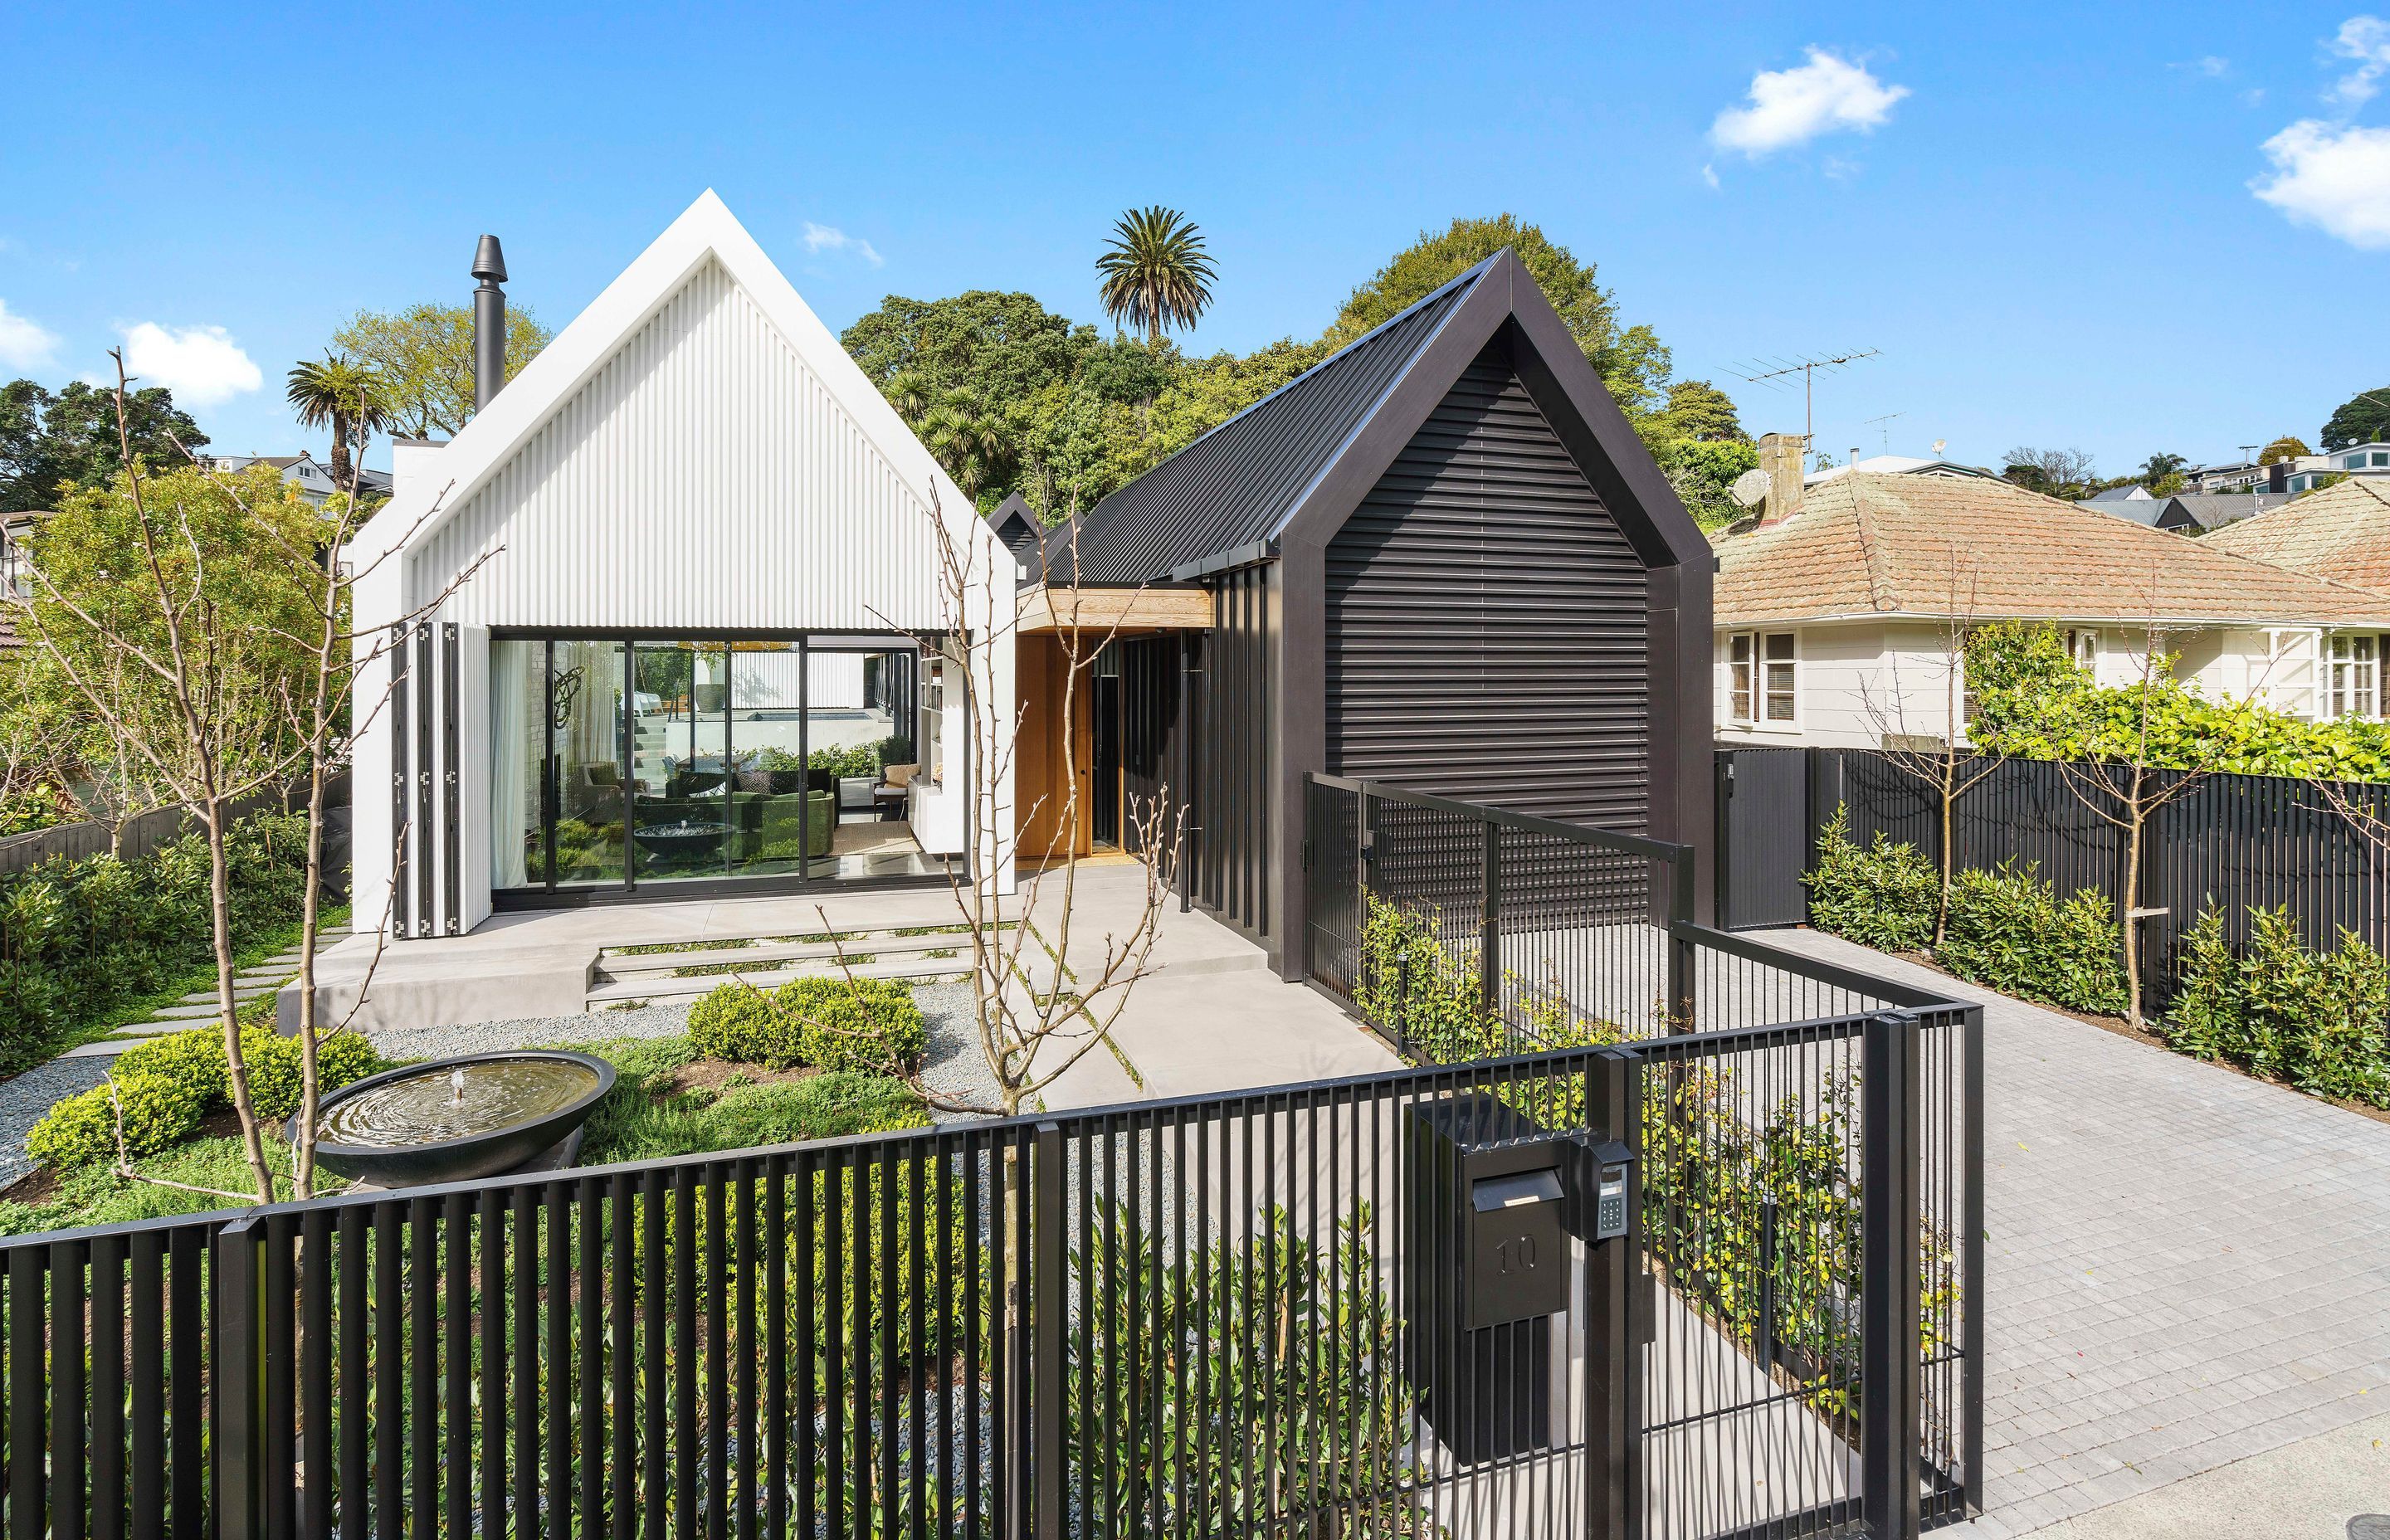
x: 1763, y: 848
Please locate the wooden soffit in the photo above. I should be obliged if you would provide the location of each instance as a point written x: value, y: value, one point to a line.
x: 1156, y: 607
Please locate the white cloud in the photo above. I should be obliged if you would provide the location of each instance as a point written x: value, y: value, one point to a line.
x: 2214, y: 66
x: 2365, y: 39
x: 1709, y: 176
x: 23, y: 344
x: 1791, y: 106
x: 202, y: 365
x: 828, y: 237
x: 2334, y: 176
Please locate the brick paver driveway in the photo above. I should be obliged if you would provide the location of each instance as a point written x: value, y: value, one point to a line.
x: 2186, y: 1268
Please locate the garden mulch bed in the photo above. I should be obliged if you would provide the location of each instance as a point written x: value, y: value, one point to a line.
x: 2118, y: 1027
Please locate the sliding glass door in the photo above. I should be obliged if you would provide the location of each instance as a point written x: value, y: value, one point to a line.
x: 586, y: 759
x: 631, y: 763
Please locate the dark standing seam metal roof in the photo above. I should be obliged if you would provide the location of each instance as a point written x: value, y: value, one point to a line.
x: 1235, y: 484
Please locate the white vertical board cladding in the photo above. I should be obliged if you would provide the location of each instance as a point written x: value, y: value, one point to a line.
x: 834, y: 681
x: 703, y: 478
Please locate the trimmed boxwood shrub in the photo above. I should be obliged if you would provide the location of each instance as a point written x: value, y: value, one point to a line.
x: 870, y: 1024
x: 78, y: 938
x: 170, y: 1083
x: 159, y: 1112
x: 2320, y: 1020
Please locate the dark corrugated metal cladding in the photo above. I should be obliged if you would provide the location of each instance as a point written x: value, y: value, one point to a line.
x: 1234, y: 781
x: 1487, y: 621
x: 1234, y: 486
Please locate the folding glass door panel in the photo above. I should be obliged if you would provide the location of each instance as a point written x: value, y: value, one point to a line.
x: 777, y: 817
x: 584, y: 750
x: 679, y: 759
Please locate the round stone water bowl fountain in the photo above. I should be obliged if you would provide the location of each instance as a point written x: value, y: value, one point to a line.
x: 450, y: 1120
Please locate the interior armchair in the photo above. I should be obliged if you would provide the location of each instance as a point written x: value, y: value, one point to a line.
x: 892, y: 792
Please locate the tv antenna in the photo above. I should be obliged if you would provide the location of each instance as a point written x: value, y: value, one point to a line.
x: 1760, y: 371
x: 1878, y: 424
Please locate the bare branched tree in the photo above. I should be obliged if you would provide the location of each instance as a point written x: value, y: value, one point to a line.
x: 1042, y: 999
x: 1948, y: 769
x: 199, y: 688
x: 2118, y: 779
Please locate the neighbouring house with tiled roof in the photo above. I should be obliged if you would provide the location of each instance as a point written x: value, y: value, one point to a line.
x: 1836, y: 613
x: 2342, y: 532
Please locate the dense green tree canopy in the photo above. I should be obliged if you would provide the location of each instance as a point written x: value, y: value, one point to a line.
x: 1631, y: 360
x: 2290, y: 446
x: 2363, y: 419
x: 1698, y: 410
x: 423, y: 356
x: 999, y: 346
x: 50, y: 443
x: 1011, y: 396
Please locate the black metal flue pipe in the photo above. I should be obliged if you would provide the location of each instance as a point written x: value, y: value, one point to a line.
x: 489, y: 322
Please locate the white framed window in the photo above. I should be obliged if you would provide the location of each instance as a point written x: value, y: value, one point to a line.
x: 2084, y: 648
x: 1764, y: 677
x: 12, y: 582
x: 2352, y: 676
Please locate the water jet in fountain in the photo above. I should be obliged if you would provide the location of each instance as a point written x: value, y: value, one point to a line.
x: 457, y: 1118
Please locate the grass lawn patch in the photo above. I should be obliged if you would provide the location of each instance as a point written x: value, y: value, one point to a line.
x: 668, y: 1100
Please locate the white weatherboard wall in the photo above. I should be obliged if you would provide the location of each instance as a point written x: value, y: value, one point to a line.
x: 694, y: 453
x: 705, y: 478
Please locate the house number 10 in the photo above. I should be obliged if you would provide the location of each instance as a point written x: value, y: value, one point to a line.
x: 1516, y: 1256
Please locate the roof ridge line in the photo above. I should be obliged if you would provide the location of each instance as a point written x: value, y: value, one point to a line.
x: 1879, y: 579
x: 1389, y: 321
x: 1377, y: 403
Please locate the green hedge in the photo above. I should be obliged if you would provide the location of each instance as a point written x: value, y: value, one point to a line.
x: 80, y: 938
x: 2008, y: 929
x: 2319, y: 1021
x: 870, y: 1024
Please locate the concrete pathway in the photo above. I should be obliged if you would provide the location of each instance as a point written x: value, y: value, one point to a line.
x: 2188, y: 1270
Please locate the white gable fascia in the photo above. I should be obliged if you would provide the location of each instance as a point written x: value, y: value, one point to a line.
x: 707, y: 229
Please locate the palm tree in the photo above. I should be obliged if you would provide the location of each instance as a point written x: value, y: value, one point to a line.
x: 345, y: 395
x: 1156, y: 272
x: 973, y: 446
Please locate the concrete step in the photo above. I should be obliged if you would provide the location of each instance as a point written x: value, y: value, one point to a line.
x: 912, y: 970
x: 239, y: 991
x: 615, y: 963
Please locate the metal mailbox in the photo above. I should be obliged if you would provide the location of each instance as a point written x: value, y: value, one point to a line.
x: 1518, y: 1253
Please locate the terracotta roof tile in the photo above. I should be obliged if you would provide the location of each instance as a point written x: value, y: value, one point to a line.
x: 2342, y: 532
x: 1938, y: 546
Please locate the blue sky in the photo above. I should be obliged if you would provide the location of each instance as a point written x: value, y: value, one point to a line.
x: 2047, y: 217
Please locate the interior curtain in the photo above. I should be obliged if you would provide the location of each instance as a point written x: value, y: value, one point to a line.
x: 514, y: 800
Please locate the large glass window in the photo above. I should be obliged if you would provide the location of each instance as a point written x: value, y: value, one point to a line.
x: 639, y: 761
x: 586, y: 756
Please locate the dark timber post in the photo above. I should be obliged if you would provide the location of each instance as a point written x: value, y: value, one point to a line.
x: 235, y: 1380
x: 1613, y: 1397
x: 1889, y: 1371
x: 1049, y: 1320
x: 1489, y: 927
x: 1680, y: 946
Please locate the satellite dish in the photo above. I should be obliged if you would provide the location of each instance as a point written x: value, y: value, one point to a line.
x: 1937, y: 448
x: 1750, y: 489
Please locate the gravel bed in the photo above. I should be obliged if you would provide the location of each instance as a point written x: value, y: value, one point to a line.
x: 26, y: 1100
x: 954, y: 1064
x: 589, y: 1026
